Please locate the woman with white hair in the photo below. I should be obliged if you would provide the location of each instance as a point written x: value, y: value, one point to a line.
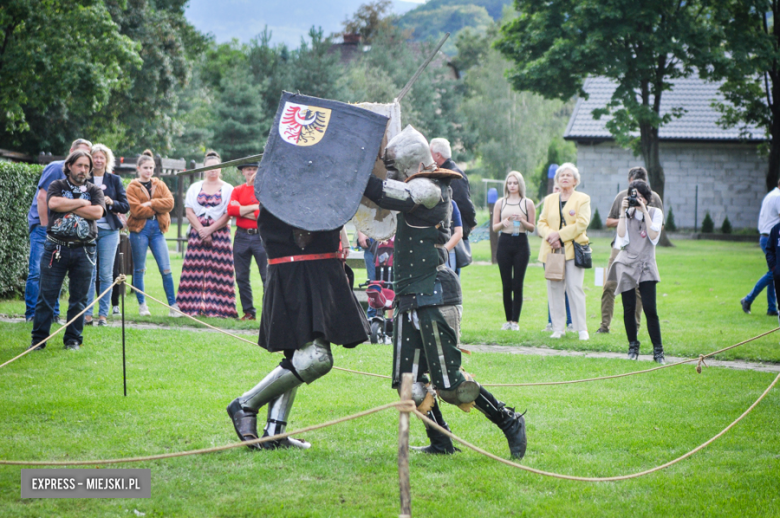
x: 513, y: 217
x: 563, y: 221
x: 108, y: 229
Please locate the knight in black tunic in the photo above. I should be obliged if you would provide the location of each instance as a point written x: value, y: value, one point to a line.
x: 428, y: 296
x: 307, y: 305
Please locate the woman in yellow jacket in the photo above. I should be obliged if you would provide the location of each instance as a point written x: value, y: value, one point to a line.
x: 575, y: 208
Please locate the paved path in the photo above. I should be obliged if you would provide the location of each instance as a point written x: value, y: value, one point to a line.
x: 483, y: 348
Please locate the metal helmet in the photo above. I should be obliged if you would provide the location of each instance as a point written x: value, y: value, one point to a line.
x: 406, y: 154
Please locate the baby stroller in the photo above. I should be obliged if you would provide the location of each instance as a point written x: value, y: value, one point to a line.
x: 381, y: 295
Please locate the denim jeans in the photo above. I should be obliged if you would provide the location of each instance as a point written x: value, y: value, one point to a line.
x: 764, y: 282
x: 77, y: 263
x: 37, y: 239
x: 369, y: 258
x: 107, y: 243
x: 151, y: 237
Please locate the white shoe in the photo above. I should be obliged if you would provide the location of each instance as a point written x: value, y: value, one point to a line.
x: 548, y: 328
x: 143, y: 310
x: 514, y: 327
x: 174, y: 312
x: 115, y: 311
x: 556, y: 335
x: 388, y: 340
x: 507, y: 326
x: 584, y: 335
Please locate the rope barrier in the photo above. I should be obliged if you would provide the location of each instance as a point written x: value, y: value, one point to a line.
x: 97, y: 299
x: 403, y: 406
x: 700, y: 361
x: 431, y: 423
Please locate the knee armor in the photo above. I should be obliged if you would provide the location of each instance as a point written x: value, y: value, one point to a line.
x: 313, y: 360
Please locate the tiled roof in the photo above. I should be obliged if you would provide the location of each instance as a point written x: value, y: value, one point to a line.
x: 694, y: 94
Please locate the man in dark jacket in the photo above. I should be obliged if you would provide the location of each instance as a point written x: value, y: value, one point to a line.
x: 773, y: 256
x: 461, y: 192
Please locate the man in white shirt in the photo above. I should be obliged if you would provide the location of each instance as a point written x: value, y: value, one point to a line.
x: 767, y: 218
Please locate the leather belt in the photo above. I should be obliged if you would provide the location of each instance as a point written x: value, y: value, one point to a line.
x: 247, y: 230
x: 307, y: 257
x: 70, y: 244
x: 764, y: 235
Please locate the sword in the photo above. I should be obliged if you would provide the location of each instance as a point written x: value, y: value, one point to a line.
x: 238, y: 161
x: 416, y: 75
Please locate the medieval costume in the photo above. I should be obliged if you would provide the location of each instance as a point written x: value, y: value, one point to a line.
x: 427, y: 319
x: 308, y: 301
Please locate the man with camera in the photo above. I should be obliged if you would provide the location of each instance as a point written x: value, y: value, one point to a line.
x: 608, y: 293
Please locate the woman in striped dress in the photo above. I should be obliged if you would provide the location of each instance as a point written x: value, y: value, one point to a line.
x: 207, y: 284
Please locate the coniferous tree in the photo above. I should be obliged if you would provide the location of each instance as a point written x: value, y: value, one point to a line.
x: 240, y: 126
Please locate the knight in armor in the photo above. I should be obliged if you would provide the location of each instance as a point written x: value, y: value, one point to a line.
x: 308, y: 304
x: 428, y: 295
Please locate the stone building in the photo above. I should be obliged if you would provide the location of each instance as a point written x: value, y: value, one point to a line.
x: 694, y: 151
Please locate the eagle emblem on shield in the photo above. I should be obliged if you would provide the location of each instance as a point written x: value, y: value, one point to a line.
x: 303, y: 125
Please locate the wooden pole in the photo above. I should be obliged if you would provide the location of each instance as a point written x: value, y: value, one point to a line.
x: 122, y: 294
x: 403, y: 448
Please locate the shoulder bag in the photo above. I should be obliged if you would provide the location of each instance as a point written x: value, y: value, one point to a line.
x: 582, y: 253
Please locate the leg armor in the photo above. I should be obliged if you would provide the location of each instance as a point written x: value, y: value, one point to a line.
x: 278, y: 412
x: 509, y: 421
x: 440, y: 443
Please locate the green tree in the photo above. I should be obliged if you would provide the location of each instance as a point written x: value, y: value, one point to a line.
x: 642, y: 45
x: 751, y: 69
x: 368, y: 20
x: 240, y: 126
x: 58, y: 58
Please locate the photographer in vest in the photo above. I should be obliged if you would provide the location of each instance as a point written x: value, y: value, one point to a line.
x: 74, y: 206
x: 638, y: 232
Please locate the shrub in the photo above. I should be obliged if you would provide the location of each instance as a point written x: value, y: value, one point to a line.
x: 726, y: 228
x: 595, y: 221
x: 17, y: 187
x: 707, y: 226
x: 670, y: 225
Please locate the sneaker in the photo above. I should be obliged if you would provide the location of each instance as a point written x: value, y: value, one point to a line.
x: 249, y: 316
x: 602, y: 331
x: 88, y: 322
x: 102, y: 322
x: 72, y: 345
x: 27, y: 320
x: 514, y: 327
x: 771, y: 313
x: 745, y: 305
x: 174, y: 312
x: 115, y: 311
x: 548, y: 328
x: 388, y: 340
x: 61, y: 321
x: 143, y: 310
x: 584, y: 335
x: 507, y: 326
x: 39, y: 348
x: 556, y: 335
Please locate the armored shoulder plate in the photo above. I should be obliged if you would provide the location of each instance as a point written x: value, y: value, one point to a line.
x: 425, y: 192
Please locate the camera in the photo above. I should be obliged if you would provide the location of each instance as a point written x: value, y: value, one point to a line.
x: 632, y: 199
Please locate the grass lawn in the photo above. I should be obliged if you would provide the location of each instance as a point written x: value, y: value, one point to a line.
x: 59, y: 405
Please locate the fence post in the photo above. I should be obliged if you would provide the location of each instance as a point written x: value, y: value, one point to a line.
x: 403, y: 448
x: 122, y: 293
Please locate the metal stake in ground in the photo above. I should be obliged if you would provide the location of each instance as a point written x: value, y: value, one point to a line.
x: 122, y: 294
x: 403, y: 448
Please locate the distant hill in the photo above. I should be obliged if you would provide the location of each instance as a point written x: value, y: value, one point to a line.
x: 436, y: 17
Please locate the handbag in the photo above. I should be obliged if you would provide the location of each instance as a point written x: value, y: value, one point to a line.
x: 555, y: 267
x: 582, y: 256
x: 582, y: 253
x: 462, y: 253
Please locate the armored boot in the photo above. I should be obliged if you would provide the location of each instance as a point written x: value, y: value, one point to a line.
x: 509, y: 421
x: 244, y: 422
x: 440, y: 443
x: 278, y: 412
x: 633, y: 350
x: 658, y: 354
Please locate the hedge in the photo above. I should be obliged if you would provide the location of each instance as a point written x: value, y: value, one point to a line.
x: 17, y: 187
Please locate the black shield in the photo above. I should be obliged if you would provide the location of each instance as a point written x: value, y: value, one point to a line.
x: 317, y: 161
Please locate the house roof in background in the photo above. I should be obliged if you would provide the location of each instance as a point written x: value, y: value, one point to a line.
x: 693, y: 94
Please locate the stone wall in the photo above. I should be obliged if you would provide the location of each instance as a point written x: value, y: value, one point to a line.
x: 730, y: 176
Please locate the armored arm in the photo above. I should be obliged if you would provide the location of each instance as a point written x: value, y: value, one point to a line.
x: 403, y: 197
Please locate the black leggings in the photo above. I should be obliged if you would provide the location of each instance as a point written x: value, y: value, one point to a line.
x: 513, y: 252
x: 647, y: 291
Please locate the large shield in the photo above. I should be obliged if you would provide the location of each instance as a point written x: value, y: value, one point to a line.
x: 317, y: 161
x: 371, y: 219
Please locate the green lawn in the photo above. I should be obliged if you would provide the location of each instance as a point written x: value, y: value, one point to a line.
x: 60, y: 405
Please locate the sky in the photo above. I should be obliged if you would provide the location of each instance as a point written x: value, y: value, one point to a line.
x: 288, y: 21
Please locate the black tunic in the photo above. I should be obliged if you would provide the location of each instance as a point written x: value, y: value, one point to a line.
x: 306, y: 299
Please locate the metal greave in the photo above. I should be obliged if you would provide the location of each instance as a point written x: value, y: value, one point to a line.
x: 279, y: 381
x: 279, y: 411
